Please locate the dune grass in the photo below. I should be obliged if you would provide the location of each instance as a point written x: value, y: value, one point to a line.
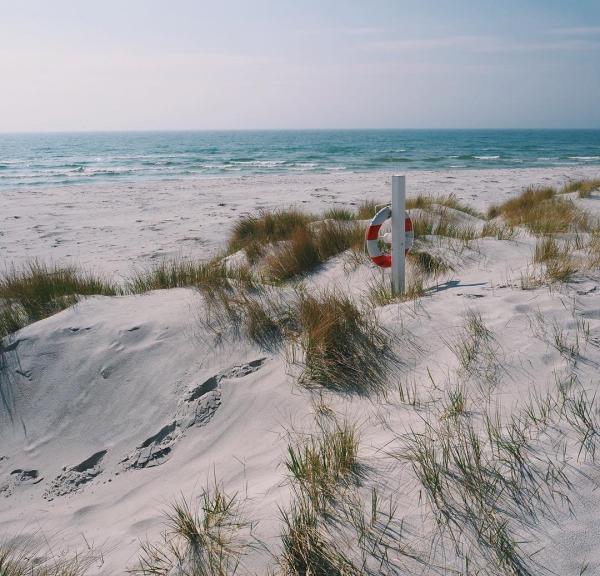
x: 306, y: 547
x: 368, y: 208
x: 38, y: 290
x: 266, y: 227
x: 308, y: 247
x: 443, y: 223
x: 345, y: 348
x: 178, y: 273
x: 541, y: 211
x: 557, y: 259
x: 320, y: 463
x: 23, y: 558
x: 299, y: 255
x: 425, y: 202
x: 427, y: 263
x: 584, y: 188
x: 206, y: 539
x: 343, y: 214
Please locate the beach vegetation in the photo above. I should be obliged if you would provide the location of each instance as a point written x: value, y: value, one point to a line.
x: 443, y: 223
x: 556, y: 258
x: 267, y: 227
x: 427, y: 263
x: 22, y: 557
x: 344, y: 347
x: 208, y: 538
x: 308, y: 247
x: 339, y: 214
x: 320, y: 463
x: 499, y: 231
x: 584, y: 187
x: 36, y: 291
x: 425, y: 202
x: 379, y: 292
x: 306, y: 545
x: 541, y: 211
x: 368, y: 208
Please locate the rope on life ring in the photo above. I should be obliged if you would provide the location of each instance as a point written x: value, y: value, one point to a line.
x: 372, y: 237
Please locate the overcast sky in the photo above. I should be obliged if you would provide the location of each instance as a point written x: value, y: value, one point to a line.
x: 227, y: 64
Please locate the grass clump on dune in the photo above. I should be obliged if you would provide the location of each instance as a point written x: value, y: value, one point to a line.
x: 345, y: 348
x: 368, y: 208
x: 294, y: 243
x: 557, y: 258
x: 266, y: 227
x: 307, y: 548
x: 319, y: 464
x: 26, y: 559
x: 178, y: 273
x: 584, y: 188
x: 339, y: 214
x: 308, y: 247
x: 426, y: 202
x: 37, y: 291
x: 443, y: 224
x: 321, y: 467
x: 300, y: 254
x: 541, y: 211
x: 204, y: 540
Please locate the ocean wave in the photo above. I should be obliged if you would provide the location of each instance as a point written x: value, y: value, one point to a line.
x: 259, y: 163
x: 486, y: 157
x: 584, y: 158
x: 391, y: 159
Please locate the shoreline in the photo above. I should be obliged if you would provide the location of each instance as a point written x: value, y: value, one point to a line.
x: 115, y: 228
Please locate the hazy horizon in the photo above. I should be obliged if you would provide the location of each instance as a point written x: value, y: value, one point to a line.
x: 284, y: 129
x: 266, y: 65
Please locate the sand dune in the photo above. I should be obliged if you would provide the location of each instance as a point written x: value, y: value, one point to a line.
x: 116, y: 406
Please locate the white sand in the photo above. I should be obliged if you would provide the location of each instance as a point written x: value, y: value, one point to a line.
x: 113, y: 374
x: 119, y: 226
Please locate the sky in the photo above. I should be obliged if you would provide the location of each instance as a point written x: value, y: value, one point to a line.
x: 70, y: 65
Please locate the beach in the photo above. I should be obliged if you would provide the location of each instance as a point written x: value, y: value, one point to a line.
x: 115, y: 228
x: 116, y: 407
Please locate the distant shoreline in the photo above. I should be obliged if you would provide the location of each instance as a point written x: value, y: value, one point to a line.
x: 46, y: 160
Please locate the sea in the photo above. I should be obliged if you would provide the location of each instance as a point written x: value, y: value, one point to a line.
x: 70, y: 159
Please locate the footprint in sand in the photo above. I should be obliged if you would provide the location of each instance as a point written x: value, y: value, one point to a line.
x: 74, y: 478
x: 17, y: 479
x: 197, y: 408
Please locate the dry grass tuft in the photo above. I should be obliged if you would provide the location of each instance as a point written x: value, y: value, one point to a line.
x: 443, y: 223
x: 368, y: 208
x: 294, y: 257
x: 20, y: 558
x: 37, y: 291
x: 309, y: 247
x: 339, y: 214
x: 426, y: 263
x: 584, y: 188
x: 267, y: 227
x: 451, y: 201
x: 557, y: 259
x: 320, y: 464
x: 307, y: 548
x: 345, y: 348
x: 203, y: 540
x: 541, y: 211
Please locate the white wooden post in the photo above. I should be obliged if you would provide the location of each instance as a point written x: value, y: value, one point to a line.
x: 398, y: 233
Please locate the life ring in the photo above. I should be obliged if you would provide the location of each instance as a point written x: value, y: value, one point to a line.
x: 372, y: 237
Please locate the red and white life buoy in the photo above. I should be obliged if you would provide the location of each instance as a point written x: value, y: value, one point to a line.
x: 372, y: 237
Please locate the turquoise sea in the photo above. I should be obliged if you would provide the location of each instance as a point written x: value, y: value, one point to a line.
x: 52, y: 159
